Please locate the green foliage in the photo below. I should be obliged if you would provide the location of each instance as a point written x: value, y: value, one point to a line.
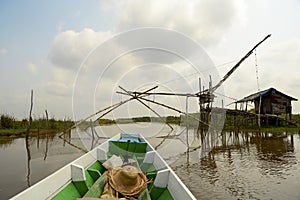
x: 9, y: 125
x: 296, y: 118
x: 168, y: 119
x: 141, y: 119
x: 173, y: 120
x: 7, y: 121
x: 106, y: 121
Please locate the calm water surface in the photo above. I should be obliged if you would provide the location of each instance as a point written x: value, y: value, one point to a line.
x: 229, y: 165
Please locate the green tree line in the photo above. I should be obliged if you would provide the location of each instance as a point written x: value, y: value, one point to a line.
x: 9, y: 122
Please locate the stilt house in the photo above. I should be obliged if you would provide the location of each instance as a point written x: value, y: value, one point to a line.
x: 270, y: 101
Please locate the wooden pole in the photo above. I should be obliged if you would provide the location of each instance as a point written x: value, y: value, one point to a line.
x: 200, y: 107
x: 210, y: 92
x: 187, y: 122
x: 47, y: 119
x: 160, y: 117
x: 200, y: 103
x: 259, y: 108
x: 109, y: 108
x: 27, y: 140
x: 238, y: 64
x: 171, y: 108
x: 30, y: 112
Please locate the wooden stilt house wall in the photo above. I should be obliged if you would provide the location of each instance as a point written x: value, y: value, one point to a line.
x: 272, y: 102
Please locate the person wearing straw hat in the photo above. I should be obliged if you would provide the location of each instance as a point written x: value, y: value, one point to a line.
x: 126, y: 182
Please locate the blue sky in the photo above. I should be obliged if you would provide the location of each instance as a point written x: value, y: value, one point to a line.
x: 42, y: 46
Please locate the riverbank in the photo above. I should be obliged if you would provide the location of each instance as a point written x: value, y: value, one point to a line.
x: 11, y: 127
x: 16, y: 133
x: 56, y: 126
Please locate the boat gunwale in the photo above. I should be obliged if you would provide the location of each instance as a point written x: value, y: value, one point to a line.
x: 92, y: 156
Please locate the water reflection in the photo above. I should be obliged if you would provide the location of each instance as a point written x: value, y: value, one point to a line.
x: 6, y: 142
x: 234, y: 165
x: 243, y: 166
x: 28, y: 158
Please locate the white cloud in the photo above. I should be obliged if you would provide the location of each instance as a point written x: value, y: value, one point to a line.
x: 205, y: 21
x: 70, y: 48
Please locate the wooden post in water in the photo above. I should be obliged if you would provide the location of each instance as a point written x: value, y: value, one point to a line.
x: 200, y: 108
x: 210, y: 90
x: 200, y: 103
x: 234, y: 115
x: 30, y: 112
x: 187, y: 123
x: 47, y: 119
x: 27, y: 140
x: 259, y: 108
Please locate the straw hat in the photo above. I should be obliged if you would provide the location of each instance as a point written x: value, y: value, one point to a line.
x: 127, y: 180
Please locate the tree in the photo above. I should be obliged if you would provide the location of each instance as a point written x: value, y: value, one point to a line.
x: 7, y: 121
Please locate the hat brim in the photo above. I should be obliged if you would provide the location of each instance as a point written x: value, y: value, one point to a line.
x: 126, y: 190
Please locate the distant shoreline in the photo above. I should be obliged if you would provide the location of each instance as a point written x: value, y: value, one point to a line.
x: 56, y: 126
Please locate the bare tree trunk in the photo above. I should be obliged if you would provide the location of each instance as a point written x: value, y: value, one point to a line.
x: 30, y: 112
x: 259, y: 108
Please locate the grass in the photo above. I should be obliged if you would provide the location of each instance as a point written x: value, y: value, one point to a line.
x: 11, y: 127
x: 22, y: 132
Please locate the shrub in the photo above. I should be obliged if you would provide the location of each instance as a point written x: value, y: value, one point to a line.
x: 7, y: 121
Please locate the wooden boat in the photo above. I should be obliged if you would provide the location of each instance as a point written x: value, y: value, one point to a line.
x: 84, y: 177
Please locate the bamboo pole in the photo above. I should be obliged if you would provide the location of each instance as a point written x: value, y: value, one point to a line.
x: 237, y: 65
x: 200, y: 106
x: 161, y: 93
x: 187, y: 122
x: 143, y: 94
x: 174, y: 109
x: 259, y: 108
x: 109, y: 108
x: 160, y: 117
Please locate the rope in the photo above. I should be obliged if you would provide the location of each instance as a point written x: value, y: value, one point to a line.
x: 256, y: 70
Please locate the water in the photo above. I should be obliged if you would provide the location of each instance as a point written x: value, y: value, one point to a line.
x: 232, y: 166
x: 254, y: 166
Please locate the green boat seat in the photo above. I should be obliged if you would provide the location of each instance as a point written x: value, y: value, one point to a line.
x: 84, y: 186
x: 96, y: 169
x: 157, y: 193
x: 97, y: 188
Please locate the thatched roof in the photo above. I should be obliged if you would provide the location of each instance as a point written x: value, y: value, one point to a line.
x: 264, y: 93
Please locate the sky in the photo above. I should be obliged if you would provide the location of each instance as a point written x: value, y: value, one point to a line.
x: 75, y: 54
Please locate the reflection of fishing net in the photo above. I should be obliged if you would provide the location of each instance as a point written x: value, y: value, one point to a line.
x: 48, y: 145
x: 156, y: 133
